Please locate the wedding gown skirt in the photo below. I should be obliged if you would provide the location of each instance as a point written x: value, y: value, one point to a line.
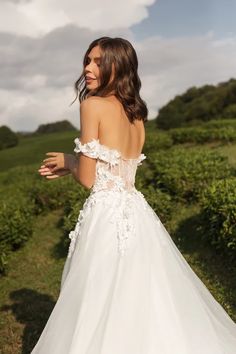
x: 125, y: 287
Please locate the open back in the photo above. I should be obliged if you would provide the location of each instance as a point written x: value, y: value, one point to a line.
x: 113, y: 172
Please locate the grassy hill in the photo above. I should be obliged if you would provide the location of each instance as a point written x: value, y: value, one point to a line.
x: 28, y: 294
x: 199, y: 105
x: 31, y: 150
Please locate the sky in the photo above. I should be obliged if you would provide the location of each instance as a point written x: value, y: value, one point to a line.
x: 179, y: 44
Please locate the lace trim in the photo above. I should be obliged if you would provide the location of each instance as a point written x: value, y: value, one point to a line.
x: 96, y: 150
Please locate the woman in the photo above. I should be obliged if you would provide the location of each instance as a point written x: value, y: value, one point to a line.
x: 125, y: 288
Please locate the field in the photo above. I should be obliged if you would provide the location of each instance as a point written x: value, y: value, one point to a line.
x: 30, y: 285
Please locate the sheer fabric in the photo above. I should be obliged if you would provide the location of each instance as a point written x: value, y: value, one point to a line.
x: 112, y: 170
x: 114, y: 186
x: 125, y: 287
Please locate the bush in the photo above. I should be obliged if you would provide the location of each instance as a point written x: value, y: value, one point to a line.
x: 220, y: 123
x: 49, y: 195
x: 199, y: 104
x: 23, y: 200
x: 72, y: 207
x: 218, y: 220
x: 7, y: 137
x: 202, y: 135
x: 157, y: 141
x: 16, y: 225
x: 160, y: 202
x: 184, y: 174
x: 60, y: 126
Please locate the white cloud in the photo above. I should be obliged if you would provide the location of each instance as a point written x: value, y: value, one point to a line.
x: 170, y: 66
x: 37, y: 74
x: 38, y: 17
x: 26, y: 111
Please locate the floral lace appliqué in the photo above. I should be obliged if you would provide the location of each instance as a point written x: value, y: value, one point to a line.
x: 114, y: 186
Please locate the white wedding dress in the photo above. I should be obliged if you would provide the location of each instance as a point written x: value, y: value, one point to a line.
x: 125, y: 287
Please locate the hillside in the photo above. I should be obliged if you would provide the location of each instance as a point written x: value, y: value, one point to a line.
x: 170, y: 178
x: 60, y: 126
x: 199, y: 105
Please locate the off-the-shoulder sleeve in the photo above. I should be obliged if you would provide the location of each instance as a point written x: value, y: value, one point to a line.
x: 90, y: 149
x: 141, y: 158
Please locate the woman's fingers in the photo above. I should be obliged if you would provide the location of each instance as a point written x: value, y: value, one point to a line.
x: 52, y: 177
x: 45, y: 172
x: 50, y: 159
x: 52, y: 153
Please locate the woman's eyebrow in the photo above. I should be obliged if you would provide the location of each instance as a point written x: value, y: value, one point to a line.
x: 94, y: 57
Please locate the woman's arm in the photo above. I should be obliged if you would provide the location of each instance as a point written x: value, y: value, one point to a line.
x: 82, y: 167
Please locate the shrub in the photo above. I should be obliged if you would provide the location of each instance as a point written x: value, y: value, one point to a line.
x: 7, y: 137
x: 16, y: 225
x: 218, y: 220
x: 202, y: 134
x: 60, y: 126
x: 199, y: 104
x: 21, y: 201
x: 220, y: 123
x: 185, y: 173
x: 161, y: 202
x: 157, y: 141
x: 72, y: 207
x: 48, y: 195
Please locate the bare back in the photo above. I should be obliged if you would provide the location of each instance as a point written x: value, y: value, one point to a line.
x: 116, y: 131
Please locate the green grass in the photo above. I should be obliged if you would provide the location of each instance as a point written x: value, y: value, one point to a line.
x: 29, y: 291
x: 32, y: 149
x: 31, y: 287
x: 216, y: 272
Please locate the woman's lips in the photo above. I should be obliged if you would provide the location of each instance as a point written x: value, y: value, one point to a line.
x: 89, y: 79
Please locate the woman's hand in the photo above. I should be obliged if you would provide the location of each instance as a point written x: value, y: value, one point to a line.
x: 58, y: 160
x: 59, y: 164
x: 47, y: 172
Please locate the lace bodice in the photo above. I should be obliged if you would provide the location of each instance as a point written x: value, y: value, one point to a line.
x: 112, y: 170
x: 114, y: 187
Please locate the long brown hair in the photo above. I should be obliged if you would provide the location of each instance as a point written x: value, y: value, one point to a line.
x: 126, y: 83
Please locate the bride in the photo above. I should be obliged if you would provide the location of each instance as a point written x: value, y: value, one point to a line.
x: 125, y: 286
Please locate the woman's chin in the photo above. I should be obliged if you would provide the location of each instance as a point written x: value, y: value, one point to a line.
x: 91, y: 87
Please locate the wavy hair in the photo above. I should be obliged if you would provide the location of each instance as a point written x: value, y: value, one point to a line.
x: 126, y: 83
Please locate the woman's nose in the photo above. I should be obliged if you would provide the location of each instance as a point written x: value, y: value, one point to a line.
x: 88, y: 67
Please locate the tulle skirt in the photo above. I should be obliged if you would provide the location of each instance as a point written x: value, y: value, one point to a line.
x: 147, y: 300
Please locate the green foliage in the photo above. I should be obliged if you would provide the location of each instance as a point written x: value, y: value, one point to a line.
x: 49, y: 195
x: 199, y: 104
x: 72, y: 207
x: 7, y: 137
x: 60, y: 126
x: 202, y: 134
x: 25, y: 195
x: 184, y: 174
x: 218, y: 204
x: 173, y: 174
x: 16, y: 225
x: 161, y: 202
x: 157, y: 141
x: 219, y: 123
x: 32, y: 150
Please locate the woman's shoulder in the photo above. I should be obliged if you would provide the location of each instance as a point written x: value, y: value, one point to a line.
x: 94, y: 105
x: 94, y: 100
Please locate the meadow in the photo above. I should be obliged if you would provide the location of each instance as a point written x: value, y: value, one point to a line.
x: 189, y: 178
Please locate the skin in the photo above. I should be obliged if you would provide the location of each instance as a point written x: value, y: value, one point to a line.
x: 81, y: 167
x: 58, y: 164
